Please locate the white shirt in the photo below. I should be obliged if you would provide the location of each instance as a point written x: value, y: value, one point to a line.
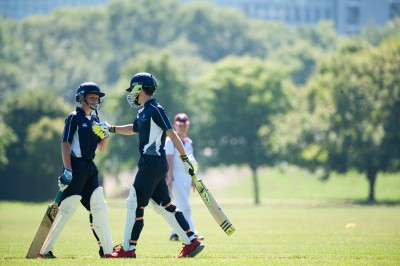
x: 178, y: 168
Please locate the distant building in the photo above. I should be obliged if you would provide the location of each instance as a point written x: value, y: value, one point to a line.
x: 19, y: 9
x: 349, y: 16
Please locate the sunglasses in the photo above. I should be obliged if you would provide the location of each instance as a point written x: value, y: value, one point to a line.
x: 181, y: 119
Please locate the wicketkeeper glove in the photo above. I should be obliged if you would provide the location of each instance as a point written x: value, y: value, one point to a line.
x: 65, y: 179
x: 190, y: 164
x: 101, y: 129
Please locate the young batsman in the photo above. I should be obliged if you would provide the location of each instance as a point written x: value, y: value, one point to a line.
x: 153, y: 126
x: 82, y: 136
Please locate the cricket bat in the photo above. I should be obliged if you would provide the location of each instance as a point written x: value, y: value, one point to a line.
x: 44, y: 228
x: 213, y: 206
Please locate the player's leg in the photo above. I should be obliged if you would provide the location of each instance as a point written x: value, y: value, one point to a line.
x: 100, y: 225
x: 134, y: 219
x: 67, y: 208
x: 92, y: 198
x: 163, y: 206
x: 139, y: 196
x: 181, y: 192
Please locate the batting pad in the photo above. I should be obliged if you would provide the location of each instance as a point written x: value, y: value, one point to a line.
x: 131, y: 205
x: 171, y: 220
x: 66, y: 210
x: 98, y: 208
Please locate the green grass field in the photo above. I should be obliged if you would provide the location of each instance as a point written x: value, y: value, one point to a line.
x: 301, y: 221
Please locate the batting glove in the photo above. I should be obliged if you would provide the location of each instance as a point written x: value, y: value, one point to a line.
x: 65, y: 179
x: 101, y: 129
x: 190, y: 164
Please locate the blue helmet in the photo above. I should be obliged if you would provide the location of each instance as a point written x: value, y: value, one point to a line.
x: 139, y: 81
x: 86, y: 88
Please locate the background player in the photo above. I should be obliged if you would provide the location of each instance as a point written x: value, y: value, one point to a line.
x: 178, y: 180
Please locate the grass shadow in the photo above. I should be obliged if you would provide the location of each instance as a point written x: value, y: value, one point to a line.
x: 374, y: 203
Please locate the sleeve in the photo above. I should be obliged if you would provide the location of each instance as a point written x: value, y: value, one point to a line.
x: 189, y: 146
x: 135, y: 126
x: 161, y: 119
x: 169, y: 147
x: 69, y: 128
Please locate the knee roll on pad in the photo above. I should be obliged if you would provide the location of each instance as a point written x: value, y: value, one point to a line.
x: 170, y: 217
x: 68, y: 206
x: 65, y: 212
x: 98, y: 209
x: 131, y: 206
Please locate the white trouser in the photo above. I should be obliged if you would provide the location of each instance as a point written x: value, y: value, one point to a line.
x: 181, y: 188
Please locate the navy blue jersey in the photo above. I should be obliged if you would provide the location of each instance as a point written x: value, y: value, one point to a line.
x: 78, y: 132
x: 151, y: 123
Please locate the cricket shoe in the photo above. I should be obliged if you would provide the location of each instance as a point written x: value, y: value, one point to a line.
x: 119, y: 252
x: 191, y: 250
x: 174, y: 237
x: 48, y: 255
x: 199, y: 237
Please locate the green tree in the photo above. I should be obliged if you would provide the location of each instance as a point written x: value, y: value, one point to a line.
x: 239, y: 98
x: 43, y: 148
x: 215, y: 31
x: 7, y: 137
x: 353, y: 107
x: 34, y: 117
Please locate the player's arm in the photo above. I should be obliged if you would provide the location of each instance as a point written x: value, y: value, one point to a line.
x: 123, y: 130
x: 102, y: 145
x: 170, y: 159
x: 66, y: 154
x: 188, y: 160
x: 177, y: 141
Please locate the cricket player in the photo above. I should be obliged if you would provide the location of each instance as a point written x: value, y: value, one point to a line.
x: 179, y: 182
x: 79, y: 182
x: 153, y: 126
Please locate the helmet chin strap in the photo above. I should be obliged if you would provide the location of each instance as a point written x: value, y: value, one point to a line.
x: 94, y: 108
x: 91, y: 106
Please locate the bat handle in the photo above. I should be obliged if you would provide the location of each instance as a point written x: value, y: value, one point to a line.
x: 194, y: 177
x: 58, y: 196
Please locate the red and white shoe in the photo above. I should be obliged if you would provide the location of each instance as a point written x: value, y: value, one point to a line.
x: 119, y: 252
x: 191, y: 250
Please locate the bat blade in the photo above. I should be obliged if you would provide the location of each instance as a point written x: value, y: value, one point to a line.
x: 43, y: 229
x: 214, y: 208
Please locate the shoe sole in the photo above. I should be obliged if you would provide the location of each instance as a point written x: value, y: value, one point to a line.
x: 196, y: 251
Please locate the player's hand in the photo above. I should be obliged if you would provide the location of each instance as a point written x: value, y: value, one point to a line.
x: 65, y: 179
x: 101, y: 129
x: 190, y: 164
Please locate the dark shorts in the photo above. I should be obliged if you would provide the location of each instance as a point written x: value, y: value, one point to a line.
x: 150, y: 180
x: 84, y: 180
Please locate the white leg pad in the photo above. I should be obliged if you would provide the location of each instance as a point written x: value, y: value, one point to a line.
x: 171, y: 220
x: 131, y: 205
x: 65, y: 212
x: 98, y: 208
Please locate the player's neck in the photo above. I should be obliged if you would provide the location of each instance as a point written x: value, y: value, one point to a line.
x: 87, y: 110
x: 182, y: 136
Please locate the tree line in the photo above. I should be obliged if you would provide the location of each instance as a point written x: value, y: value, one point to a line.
x: 258, y: 93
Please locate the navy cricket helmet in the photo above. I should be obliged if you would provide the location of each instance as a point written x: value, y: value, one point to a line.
x: 86, y: 88
x: 139, y: 81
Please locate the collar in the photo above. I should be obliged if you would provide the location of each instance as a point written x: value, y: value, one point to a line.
x: 150, y: 101
x: 80, y: 111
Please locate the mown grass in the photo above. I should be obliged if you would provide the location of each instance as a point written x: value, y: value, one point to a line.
x: 291, y: 227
